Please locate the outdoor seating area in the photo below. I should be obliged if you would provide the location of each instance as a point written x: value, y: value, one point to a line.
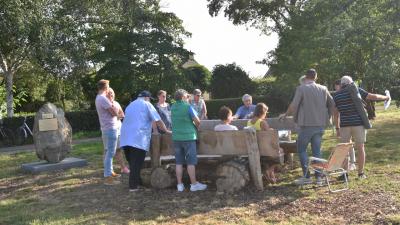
x: 249, y: 143
x: 199, y: 112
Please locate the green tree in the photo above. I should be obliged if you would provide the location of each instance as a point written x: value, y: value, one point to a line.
x: 64, y: 49
x: 141, y: 49
x: 19, y: 22
x: 197, y: 77
x: 230, y: 80
x: 359, y: 38
x: 265, y: 15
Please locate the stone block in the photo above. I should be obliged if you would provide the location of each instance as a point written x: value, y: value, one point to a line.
x: 44, y: 166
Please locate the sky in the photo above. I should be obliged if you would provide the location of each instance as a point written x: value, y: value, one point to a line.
x: 215, y: 40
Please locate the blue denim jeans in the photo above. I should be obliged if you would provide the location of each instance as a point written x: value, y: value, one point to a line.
x: 110, y: 138
x: 308, y: 135
x: 185, y: 152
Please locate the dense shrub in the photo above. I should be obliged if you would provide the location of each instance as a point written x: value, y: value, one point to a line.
x: 395, y: 94
x: 276, y: 105
x: 83, y: 120
x: 80, y: 121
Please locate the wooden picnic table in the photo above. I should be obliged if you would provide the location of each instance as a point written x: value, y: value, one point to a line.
x: 244, y: 142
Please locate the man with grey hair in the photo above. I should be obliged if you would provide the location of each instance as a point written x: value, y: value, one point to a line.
x: 312, y: 106
x: 351, y: 119
x: 247, y: 109
x: 184, y: 136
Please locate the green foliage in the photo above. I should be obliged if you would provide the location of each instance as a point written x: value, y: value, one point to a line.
x: 19, y: 34
x: 141, y: 49
x: 275, y: 104
x: 266, y: 15
x: 19, y: 99
x: 395, y: 94
x: 229, y: 81
x: 264, y: 86
x: 83, y: 120
x: 196, y: 77
x: 359, y: 38
x: 72, y: 44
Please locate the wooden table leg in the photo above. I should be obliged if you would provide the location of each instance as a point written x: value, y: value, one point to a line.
x: 254, y: 159
x: 155, y: 149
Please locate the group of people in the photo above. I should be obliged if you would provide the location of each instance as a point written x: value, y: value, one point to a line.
x: 313, y: 106
x: 141, y: 119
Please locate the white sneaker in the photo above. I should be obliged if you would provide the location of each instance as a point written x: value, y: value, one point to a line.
x: 180, y: 187
x: 198, y: 187
x: 303, y: 181
x: 352, y: 166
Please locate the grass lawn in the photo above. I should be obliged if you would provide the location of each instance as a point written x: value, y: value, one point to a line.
x: 77, y: 196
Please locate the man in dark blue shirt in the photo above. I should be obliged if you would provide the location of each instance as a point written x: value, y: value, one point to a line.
x: 351, y: 124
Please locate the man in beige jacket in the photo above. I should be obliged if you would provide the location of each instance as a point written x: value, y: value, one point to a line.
x: 312, y: 107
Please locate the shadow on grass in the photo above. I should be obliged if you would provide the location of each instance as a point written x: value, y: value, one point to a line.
x: 78, y: 196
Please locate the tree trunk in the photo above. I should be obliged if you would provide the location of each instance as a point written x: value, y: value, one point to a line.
x: 9, y: 75
x: 63, y: 94
x: 232, y: 175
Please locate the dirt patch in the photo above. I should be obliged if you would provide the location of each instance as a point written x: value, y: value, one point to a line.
x: 350, y: 207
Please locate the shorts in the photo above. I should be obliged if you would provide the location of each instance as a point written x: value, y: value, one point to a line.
x: 185, y: 152
x: 359, y: 134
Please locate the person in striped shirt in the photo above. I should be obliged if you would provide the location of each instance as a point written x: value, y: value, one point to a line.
x: 348, y: 121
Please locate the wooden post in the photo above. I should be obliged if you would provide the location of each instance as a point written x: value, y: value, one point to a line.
x: 155, y: 150
x: 254, y: 159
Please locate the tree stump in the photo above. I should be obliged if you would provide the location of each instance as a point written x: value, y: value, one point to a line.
x: 232, y: 175
x: 163, y: 177
x: 145, y: 174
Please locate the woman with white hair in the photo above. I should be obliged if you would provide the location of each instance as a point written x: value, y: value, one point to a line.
x: 247, y: 109
x: 199, y: 105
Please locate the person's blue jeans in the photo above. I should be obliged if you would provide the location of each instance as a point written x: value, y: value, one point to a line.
x: 308, y: 135
x: 110, y: 138
x: 185, y: 152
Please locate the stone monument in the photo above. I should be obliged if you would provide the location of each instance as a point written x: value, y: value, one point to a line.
x: 52, y: 135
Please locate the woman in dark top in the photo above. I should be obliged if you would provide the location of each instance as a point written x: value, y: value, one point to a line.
x: 164, y: 109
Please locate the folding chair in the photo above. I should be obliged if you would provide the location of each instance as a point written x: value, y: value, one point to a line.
x: 333, y: 166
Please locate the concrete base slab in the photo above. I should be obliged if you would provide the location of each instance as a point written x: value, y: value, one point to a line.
x: 44, y: 166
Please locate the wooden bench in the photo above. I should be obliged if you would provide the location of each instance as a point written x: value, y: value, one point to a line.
x: 229, y: 143
x: 286, y: 143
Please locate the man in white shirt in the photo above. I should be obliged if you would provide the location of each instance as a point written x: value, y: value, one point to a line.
x: 136, y: 135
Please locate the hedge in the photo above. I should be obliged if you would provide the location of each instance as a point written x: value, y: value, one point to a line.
x: 89, y: 121
x: 395, y: 94
x: 79, y: 120
x: 275, y: 105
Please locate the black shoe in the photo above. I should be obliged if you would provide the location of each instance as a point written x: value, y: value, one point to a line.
x: 342, y: 177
